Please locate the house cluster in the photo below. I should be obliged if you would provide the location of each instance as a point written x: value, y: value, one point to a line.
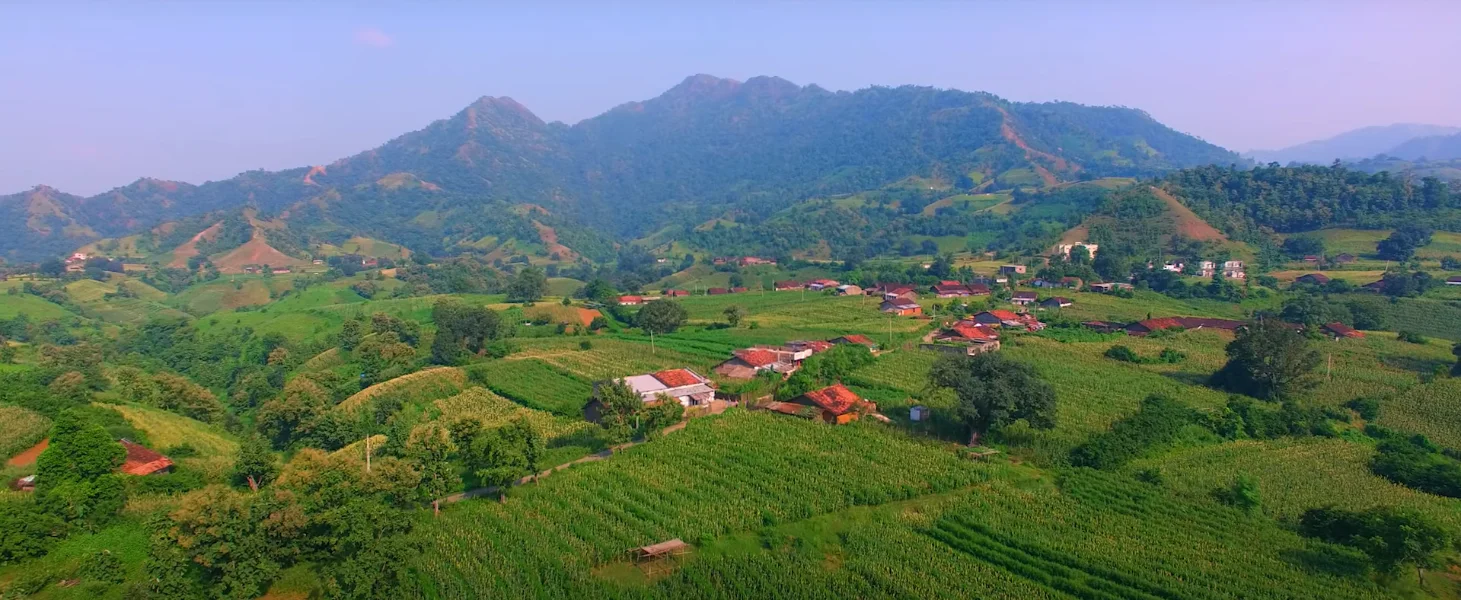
x: 1232, y: 269
x: 76, y: 263
x: 140, y: 461
x: 1150, y: 326
x: 784, y: 360
x: 818, y: 285
x: 744, y: 261
x: 1065, y: 249
x: 637, y: 300
x: 255, y: 269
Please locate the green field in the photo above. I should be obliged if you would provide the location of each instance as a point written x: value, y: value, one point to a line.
x: 535, y: 384
x: 20, y: 429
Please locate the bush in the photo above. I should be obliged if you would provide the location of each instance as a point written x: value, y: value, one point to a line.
x: 1171, y: 356
x: 183, y: 450
x: 1367, y: 408
x: 1122, y: 353
x: 101, y: 566
x: 1157, y: 422
x: 1418, y: 464
x: 1241, y: 494
x: 585, y: 345
x: 1411, y: 336
x: 1152, y: 476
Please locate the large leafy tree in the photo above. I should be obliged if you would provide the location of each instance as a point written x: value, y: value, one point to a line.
x: 994, y: 392
x: 463, y: 330
x: 1392, y: 537
x: 661, y: 317
x: 529, y: 285
x: 1269, y: 359
x: 1403, y: 242
x: 256, y: 466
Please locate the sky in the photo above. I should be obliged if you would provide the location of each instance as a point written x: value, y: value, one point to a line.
x: 93, y: 95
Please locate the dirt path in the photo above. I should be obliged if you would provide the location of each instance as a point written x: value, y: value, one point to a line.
x: 189, y: 249
x: 612, y: 450
x: 1008, y: 132
x: 28, y: 458
x: 1189, y: 224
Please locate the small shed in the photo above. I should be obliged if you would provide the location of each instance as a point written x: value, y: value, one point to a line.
x: 918, y: 413
x: 24, y: 484
x: 652, y: 558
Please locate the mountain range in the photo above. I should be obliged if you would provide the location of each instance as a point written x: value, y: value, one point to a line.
x: 1357, y: 144
x: 706, y: 146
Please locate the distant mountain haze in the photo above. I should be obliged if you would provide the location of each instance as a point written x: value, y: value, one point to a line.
x: 1436, y: 147
x: 707, y: 142
x: 1352, y: 145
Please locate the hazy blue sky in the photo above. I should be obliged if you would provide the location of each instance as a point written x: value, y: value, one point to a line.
x: 94, y: 95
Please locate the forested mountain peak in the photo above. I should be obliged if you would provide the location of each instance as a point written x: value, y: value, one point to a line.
x: 708, y: 145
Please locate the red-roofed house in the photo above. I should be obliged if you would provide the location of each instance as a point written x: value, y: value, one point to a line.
x: 1313, y: 279
x: 855, y: 338
x: 1142, y: 328
x: 683, y: 385
x: 630, y: 300
x: 836, y: 403
x: 978, y: 289
x: 817, y: 285
x: 716, y: 291
x: 995, y: 318
x: 903, y: 306
x: 1340, y: 330
x: 950, y: 289
x: 676, y: 293
x: 750, y: 361
x: 143, y: 461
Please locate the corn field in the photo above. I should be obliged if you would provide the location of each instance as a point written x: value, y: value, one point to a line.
x: 20, y: 428
x: 428, y: 384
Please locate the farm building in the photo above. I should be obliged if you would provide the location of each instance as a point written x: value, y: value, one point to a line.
x: 808, y: 346
x: 818, y: 285
x: 950, y: 289
x: 1005, y: 318
x: 973, y: 337
x: 789, y: 284
x: 1345, y: 258
x: 1109, y: 287
x: 1012, y: 269
x: 1313, y: 279
x: 918, y: 413
x: 1104, y: 326
x: 1454, y: 280
x: 1055, y: 302
x: 858, y: 339
x: 903, y: 306
x: 24, y: 484
x: 1143, y: 328
x: 1340, y: 330
x: 834, y: 404
x: 717, y: 291
x: 738, y: 290
x: 143, y: 461
x: 978, y: 289
x: 747, y: 363
x: 849, y: 290
x: 631, y: 300
x: 685, y: 386
x: 676, y: 293
x: 1024, y: 298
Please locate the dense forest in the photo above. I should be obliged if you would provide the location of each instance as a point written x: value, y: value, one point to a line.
x: 1246, y: 202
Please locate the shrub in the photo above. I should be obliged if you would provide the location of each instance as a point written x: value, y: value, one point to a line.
x: 101, y: 566
x: 1157, y: 422
x: 1367, y: 408
x: 1171, y: 356
x: 1122, y: 353
x: 585, y: 345
x: 1241, y: 494
x: 1411, y: 336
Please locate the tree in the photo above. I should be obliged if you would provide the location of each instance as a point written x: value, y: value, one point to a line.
x: 1390, y: 536
x: 619, y: 406
x: 351, y: 332
x: 994, y: 392
x: 1403, y: 242
x: 431, y: 449
x: 528, y: 286
x: 256, y: 465
x: 661, y: 317
x: 734, y: 314
x: 463, y: 330
x: 1268, y: 360
x: 1303, y: 245
x: 74, y: 476
x: 286, y: 417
